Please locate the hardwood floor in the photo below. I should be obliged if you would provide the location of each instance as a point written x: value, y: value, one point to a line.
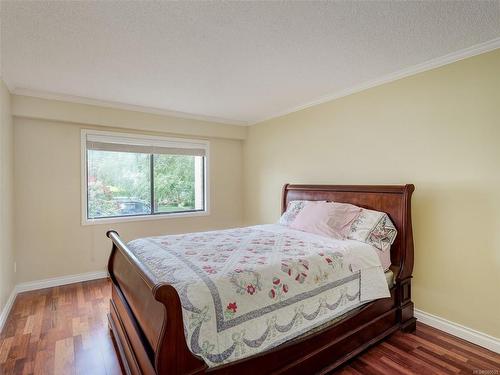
x: 426, y: 351
x: 64, y: 330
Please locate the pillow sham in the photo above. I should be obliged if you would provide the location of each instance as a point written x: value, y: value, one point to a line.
x: 326, y: 218
x: 374, y: 228
x: 345, y: 215
x: 385, y: 258
x: 293, y: 208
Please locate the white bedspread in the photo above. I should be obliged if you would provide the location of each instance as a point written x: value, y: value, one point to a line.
x: 247, y: 290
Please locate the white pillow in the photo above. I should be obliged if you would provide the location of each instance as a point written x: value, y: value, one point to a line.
x: 374, y: 228
x: 292, y: 210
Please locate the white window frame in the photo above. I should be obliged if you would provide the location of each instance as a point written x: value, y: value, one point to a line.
x: 141, y: 139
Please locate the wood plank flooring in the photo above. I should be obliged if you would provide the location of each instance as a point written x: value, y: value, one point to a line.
x: 61, y: 330
x: 64, y: 330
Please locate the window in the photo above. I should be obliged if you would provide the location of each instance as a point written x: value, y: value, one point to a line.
x: 128, y: 176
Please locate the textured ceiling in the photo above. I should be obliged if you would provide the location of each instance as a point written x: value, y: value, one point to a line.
x: 240, y: 61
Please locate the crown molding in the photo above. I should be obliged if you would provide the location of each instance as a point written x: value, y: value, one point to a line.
x: 6, y: 81
x: 124, y: 106
x: 403, y: 73
x: 3, y: 79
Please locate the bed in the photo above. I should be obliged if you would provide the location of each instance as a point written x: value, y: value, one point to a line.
x: 147, y: 316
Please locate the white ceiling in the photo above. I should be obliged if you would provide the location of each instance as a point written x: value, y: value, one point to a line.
x: 238, y: 61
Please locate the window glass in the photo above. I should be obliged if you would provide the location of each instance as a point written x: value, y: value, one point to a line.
x: 118, y: 184
x: 178, y: 183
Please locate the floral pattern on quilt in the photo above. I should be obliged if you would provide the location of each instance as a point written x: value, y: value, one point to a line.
x: 246, y: 290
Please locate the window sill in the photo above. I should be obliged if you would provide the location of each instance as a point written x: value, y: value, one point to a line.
x: 125, y: 219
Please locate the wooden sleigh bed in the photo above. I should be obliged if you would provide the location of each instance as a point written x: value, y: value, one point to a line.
x: 146, y: 318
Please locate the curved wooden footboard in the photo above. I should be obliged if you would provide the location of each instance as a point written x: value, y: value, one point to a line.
x: 146, y: 317
x: 149, y: 315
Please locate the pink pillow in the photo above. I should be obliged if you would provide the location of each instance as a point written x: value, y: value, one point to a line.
x: 326, y: 218
x: 385, y: 258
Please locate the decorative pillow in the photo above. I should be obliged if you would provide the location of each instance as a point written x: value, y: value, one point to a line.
x: 374, y: 228
x: 326, y: 219
x: 293, y: 208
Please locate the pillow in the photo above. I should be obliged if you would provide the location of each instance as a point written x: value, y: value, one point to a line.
x: 326, y: 219
x: 385, y: 258
x: 374, y: 228
x: 344, y: 216
x: 293, y: 208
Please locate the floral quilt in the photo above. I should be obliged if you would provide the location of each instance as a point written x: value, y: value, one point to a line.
x: 250, y: 289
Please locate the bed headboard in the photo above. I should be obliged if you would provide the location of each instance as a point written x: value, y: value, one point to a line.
x: 395, y: 200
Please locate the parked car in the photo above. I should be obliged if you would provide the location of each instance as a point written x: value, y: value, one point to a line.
x: 132, y: 207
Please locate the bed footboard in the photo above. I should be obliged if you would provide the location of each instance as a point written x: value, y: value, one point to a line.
x: 146, y: 318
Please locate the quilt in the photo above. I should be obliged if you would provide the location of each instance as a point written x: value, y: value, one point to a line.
x: 246, y: 290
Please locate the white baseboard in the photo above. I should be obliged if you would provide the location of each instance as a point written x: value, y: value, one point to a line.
x: 46, y: 283
x: 6, y: 309
x: 455, y: 329
x: 57, y: 281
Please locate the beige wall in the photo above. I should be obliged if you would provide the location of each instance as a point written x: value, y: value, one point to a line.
x: 439, y: 130
x: 50, y: 240
x: 6, y: 197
